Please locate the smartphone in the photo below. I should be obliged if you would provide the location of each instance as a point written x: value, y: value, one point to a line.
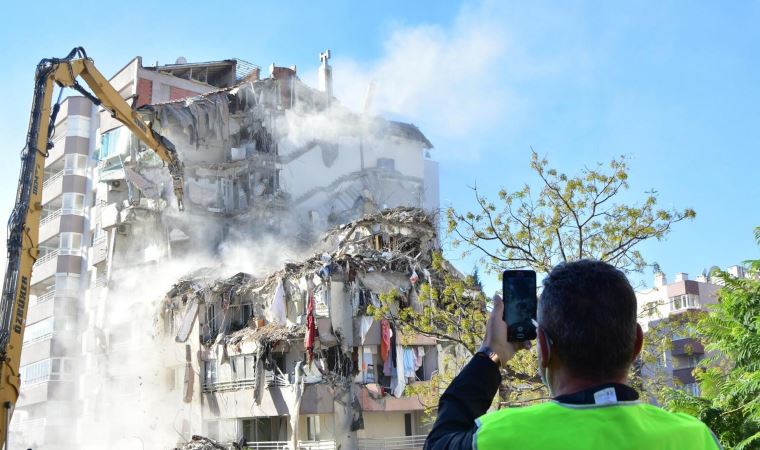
x: 520, y: 304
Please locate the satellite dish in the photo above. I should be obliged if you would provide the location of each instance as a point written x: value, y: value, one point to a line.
x: 181, y: 60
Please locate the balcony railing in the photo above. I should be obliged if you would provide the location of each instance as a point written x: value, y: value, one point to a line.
x: 389, y: 443
x: 52, y: 179
x: 273, y: 379
x: 51, y: 217
x: 285, y: 445
x: 47, y: 296
x: 220, y: 386
x: 46, y: 257
x: 39, y: 338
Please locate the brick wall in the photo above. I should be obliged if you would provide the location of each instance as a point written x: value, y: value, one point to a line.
x: 144, y: 92
x: 176, y: 93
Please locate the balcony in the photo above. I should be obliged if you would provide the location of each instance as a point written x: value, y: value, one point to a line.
x: 52, y: 187
x: 56, y: 153
x: 45, y: 266
x: 684, y: 375
x: 98, y: 250
x: 50, y: 225
x: 46, y: 297
x: 285, y: 445
x: 392, y: 443
x: 687, y: 346
x: 221, y: 386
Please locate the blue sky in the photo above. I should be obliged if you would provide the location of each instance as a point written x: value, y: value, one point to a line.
x: 672, y: 84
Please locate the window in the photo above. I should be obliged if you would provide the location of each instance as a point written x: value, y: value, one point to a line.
x: 73, y: 203
x: 74, y: 164
x: 114, y: 142
x: 243, y: 367
x: 407, y: 424
x: 662, y: 359
x: 684, y: 301
x: 649, y: 309
x: 39, y: 331
x: 71, y: 243
x: 247, y: 312
x: 37, y: 372
x: 692, y: 389
x: 262, y: 429
x: 312, y: 428
x: 693, y: 360
x: 61, y: 369
x: 386, y: 164
x: 210, y: 375
x: 211, y: 320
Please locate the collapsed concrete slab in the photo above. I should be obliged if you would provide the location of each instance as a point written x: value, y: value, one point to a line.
x: 273, y: 343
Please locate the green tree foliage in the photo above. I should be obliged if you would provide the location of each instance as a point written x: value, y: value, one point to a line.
x: 571, y: 218
x: 729, y: 378
x: 454, y: 310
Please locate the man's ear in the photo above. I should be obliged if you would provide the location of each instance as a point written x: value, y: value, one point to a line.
x: 543, y: 347
x: 639, y: 342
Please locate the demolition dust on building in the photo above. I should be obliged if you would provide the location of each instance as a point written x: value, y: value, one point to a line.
x: 298, y: 214
x: 294, y: 357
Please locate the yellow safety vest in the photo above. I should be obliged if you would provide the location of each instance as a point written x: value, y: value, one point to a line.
x: 619, y: 425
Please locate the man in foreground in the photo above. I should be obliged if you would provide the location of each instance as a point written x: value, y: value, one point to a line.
x: 587, y: 339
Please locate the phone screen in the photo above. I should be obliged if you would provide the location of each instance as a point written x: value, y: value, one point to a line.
x: 520, y: 304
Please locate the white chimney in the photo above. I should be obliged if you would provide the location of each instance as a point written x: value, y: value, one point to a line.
x: 325, y: 74
x: 659, y: 279
x: 736, y: 271
x: 681, y: 276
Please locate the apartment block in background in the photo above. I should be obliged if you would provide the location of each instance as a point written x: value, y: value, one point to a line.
x: 666, y: 310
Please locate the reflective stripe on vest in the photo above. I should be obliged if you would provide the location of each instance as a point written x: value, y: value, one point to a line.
x: 621, y: 425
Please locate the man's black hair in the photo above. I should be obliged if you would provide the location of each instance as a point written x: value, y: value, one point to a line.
x: 588, y: 310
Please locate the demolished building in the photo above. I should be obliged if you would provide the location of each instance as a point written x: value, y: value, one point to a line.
x: 270, y: 164
x: 296, y: 350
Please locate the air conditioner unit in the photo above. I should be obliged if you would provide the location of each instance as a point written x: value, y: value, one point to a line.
x: 115, y: 183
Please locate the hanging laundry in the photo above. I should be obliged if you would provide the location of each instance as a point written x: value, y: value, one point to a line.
x: 385, y: 339
x: 394, y: 352
x: 398, y: 389
x: 426, y: 273
x: 311, y: 328
x: 365, y: 322
x: 410, y: 362
x: 388, y: 368
x: 277, y: 310
x: 420, y: 351
x: 414, y: 278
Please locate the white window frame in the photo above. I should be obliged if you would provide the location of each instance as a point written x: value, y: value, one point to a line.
x: 39, y: 331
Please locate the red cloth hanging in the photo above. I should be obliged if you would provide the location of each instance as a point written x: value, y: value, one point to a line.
x: 311, y: 328
x: 385, y: 339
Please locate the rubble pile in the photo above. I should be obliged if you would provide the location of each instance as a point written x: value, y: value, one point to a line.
x: 204, y: 443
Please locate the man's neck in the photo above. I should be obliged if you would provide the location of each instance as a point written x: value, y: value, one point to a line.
x: 565, y: 385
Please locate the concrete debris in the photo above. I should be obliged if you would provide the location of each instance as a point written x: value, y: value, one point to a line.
x: 204, y: 443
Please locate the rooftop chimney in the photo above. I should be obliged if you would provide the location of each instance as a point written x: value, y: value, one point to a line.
x: 659, y: 279
x: 680, y: 276
x: 325, y: 74
x: 736, y: 271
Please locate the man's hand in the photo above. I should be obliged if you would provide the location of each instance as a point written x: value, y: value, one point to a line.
x: 496, y: 334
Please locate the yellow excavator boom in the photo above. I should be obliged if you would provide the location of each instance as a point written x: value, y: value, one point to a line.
x: 24, y: 222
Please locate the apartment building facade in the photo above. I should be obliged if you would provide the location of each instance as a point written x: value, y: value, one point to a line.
x: 48, y: 362
x: 108, y: 209
x: 665, y: 311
